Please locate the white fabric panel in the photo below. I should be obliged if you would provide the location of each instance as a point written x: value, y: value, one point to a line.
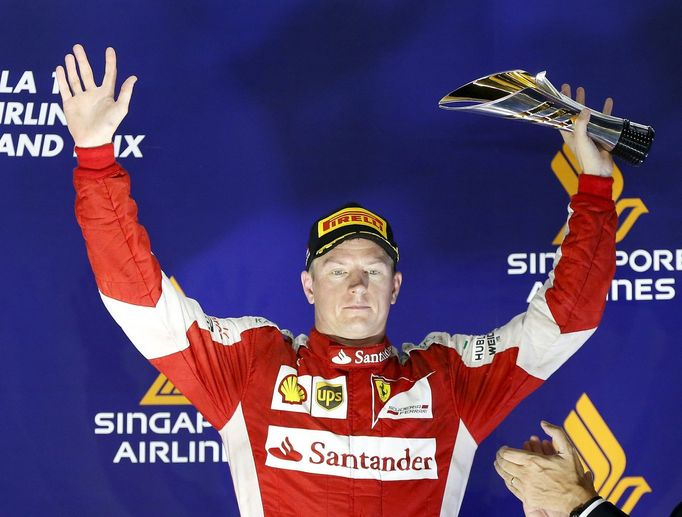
x: 155, y: 331
x: 542, y: 359
x: 162, y: 330
x: 458, y: 473
x: 242, y: 465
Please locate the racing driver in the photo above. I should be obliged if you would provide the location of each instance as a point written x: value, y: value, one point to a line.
x: 350, y: 426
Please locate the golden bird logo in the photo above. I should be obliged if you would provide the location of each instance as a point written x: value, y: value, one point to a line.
x: 602, y: 454
x: 292, y: 392
x: 567, y: 169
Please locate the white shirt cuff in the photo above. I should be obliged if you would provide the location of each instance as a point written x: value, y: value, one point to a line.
x: 589, y: 509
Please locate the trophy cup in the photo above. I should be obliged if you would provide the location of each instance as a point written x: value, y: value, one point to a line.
x: 519, y: 95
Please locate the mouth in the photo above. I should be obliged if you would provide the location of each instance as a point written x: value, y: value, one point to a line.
x: 357, y: 307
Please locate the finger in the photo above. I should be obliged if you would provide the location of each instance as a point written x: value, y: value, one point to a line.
x: 576, y: 461
x: 512, y: 469
x: 126, y: 92
x: 547, y: 448
x: 518, y: 456
x: 535, y: 445
x: 526, y: 446
x: 109, y: 81
x: 84, y: 66
x: 566, y: 89
x: 580, y: 95
x: 560, y: 440
x: 63, y: 85
x: 508, y: 481
x: 72, y: 75
x: 506, y: 476
x: 608, y: 106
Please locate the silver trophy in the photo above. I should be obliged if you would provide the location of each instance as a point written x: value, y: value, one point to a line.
x: 519, y: 95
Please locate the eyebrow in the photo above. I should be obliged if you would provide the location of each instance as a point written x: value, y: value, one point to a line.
x: 378, y: 260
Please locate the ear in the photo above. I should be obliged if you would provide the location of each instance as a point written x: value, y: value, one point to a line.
x: 307, y: 283
x: 397, y: 282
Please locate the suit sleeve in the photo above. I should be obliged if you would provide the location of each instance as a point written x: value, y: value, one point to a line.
x: 208, y: 359
x: 602, y: 508
x: 492, y: 373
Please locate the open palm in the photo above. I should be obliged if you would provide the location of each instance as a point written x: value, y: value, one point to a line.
x: 92, y: 114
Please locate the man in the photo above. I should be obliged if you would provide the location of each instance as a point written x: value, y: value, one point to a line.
x: 550, y: 480
x: 337, y: 423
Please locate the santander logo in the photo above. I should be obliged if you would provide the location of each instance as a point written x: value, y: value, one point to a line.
x: 385, y: 458
x: 362, y: 357
x: 341, y: 358
x: 286, y: 451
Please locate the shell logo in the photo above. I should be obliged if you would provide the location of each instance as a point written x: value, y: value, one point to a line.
x: 291, y: 391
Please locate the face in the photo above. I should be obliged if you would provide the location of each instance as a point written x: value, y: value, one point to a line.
x: 352, y: 288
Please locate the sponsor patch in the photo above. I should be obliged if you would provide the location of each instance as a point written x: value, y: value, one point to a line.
x: 285, y: 451
x: 484, y: 347
x: 295, y: 393
x: 351, y: 216
x: 291, y: 391
x: 331, y: 398
x: 355, y: 457
x: 383, y: 389
x: 328, y: 396
x: 396, y: 399
x: 361, y: 357
x: 341, y: 358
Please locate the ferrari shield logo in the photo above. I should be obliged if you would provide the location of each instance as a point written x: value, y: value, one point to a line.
x: 383, y: 389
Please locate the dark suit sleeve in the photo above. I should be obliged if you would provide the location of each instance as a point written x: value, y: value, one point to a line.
x: 604, y: 509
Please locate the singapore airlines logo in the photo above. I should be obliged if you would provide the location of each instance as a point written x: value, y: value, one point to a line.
x: 566, y: 168
x: 601, y: 453
x: 162, y: 392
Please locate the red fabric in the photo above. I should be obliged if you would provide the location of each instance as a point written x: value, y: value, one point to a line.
x: 588, y: 258
x: 118, y: 246
x: 597, y: 185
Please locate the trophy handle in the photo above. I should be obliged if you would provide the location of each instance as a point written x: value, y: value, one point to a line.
x: 634, y: 143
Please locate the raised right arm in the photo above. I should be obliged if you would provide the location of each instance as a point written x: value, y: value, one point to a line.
x: 208, y: 359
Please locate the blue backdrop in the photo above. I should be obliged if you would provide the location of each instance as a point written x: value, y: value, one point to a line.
x: 249, y: 121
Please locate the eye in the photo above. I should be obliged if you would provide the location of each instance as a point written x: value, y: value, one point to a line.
x: 373, y: 272
x: 337, y: 272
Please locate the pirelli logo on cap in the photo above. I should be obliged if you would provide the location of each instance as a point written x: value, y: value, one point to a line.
x: 348, y: 216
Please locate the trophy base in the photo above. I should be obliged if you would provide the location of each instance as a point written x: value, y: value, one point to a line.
x: 634, y: 142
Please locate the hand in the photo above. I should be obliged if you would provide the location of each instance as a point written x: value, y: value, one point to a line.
x: 592, y: 157
x: 553, y: 483
x: 92, y: 114
x: 546, y: 448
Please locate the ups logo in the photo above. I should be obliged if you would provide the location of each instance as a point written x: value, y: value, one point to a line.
x: 566, y: 168
x: 329, y: 396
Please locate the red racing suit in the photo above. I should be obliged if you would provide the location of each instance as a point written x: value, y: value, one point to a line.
x: 315, y: 428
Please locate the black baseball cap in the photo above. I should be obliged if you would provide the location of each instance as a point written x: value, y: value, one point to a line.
x: 350, y: 221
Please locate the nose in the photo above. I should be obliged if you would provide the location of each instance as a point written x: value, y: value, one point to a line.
x: 357, y: 282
